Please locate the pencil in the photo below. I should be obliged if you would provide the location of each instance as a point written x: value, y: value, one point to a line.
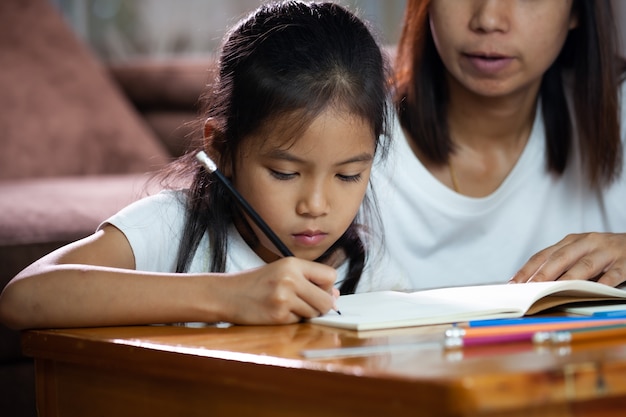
x: 212, y: 168
x: 581, y: 335
x: 452, y: 341
x: 458, y: 337
x: 610, y: 314
x: 539, y: 320
x: 532, y: 327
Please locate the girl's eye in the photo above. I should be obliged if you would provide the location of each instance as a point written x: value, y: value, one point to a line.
x: 350, y: 178
x: 283, y: 176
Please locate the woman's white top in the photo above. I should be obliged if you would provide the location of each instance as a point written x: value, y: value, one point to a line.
x: 440, y: 238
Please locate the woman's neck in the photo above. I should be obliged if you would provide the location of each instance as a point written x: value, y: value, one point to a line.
x: 488, y: 123
x: 488, y: 135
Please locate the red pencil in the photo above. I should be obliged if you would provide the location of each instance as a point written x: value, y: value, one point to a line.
x: 457, y: 341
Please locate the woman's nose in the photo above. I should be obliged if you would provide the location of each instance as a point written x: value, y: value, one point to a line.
x: 491, y: 16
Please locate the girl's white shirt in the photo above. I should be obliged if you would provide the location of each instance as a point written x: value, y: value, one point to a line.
x: 153, y: 227
x: 440, y: 238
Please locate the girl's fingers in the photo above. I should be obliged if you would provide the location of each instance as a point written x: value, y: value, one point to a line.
x: 322, y: 276
x: 305, y: 289
x: 318, y: 300
x: 316, y: 289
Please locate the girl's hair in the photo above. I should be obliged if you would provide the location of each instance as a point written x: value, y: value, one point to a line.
x: 290, y: 60
x: 590, y: 54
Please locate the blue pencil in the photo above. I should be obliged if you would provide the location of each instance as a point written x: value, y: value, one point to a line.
x: 536, y: 320
x: 615, y: 314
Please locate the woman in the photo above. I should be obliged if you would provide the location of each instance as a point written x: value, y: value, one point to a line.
x: 508, y: 152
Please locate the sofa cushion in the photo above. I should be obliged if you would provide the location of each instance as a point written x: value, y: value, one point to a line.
x: 61, y: 113
x: 155, y: 84
x: 166, y: 93
x: 63, y: 209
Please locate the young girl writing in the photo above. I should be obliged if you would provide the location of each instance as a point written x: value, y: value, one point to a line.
x: 294, y: 119
x: 508, y: 145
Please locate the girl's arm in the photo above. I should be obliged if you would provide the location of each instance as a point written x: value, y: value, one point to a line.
x: 92, y: 282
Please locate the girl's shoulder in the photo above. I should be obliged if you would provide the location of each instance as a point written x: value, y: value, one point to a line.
x: 164, y: 206
x: 174, y: 199
x: 153, y: 227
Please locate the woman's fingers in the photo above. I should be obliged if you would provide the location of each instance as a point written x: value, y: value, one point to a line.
x: 588, y: 256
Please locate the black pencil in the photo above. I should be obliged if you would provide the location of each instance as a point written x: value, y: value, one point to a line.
x: 212, y: 167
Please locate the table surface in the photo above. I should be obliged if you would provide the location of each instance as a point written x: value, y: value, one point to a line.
x: 261, y: 370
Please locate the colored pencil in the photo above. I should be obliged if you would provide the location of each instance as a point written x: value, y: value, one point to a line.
x: 581, y: 335
x: 609, y: 314
x: 451, y: 341
x: 537, y: 320
x: 532, y: 327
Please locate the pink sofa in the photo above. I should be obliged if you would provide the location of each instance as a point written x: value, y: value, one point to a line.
x: 77, y: 141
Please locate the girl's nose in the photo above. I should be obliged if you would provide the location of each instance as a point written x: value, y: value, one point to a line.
x: 491, y: 16
x: 313, y: 202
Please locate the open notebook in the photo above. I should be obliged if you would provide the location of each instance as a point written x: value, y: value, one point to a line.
x: 391, y: 309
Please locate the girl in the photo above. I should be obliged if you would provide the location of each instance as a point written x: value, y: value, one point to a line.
x: 509, y: 141
x: 294, y: 119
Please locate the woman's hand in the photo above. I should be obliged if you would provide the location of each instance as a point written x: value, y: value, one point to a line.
x: 590, y: 256
x: 284, y: 291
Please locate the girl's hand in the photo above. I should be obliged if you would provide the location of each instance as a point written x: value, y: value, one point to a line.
x: 284, y: 291
x: 589, y: 256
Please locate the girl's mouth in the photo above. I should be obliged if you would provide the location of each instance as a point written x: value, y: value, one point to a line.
x: 309, y: 238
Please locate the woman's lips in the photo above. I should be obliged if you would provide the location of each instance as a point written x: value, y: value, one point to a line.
x: 485, y: 64
x: 309, y: 238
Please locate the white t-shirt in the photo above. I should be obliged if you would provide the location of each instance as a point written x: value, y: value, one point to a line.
x: 440, y: 238
x: 153, y: 227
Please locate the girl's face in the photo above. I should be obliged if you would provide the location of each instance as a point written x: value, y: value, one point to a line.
x: 308, y: 189
x: 498, y: 47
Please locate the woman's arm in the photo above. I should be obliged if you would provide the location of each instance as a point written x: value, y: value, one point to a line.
x: 92, y: 282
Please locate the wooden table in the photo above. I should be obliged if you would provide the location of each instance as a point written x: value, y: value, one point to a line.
x: 260, y: 371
